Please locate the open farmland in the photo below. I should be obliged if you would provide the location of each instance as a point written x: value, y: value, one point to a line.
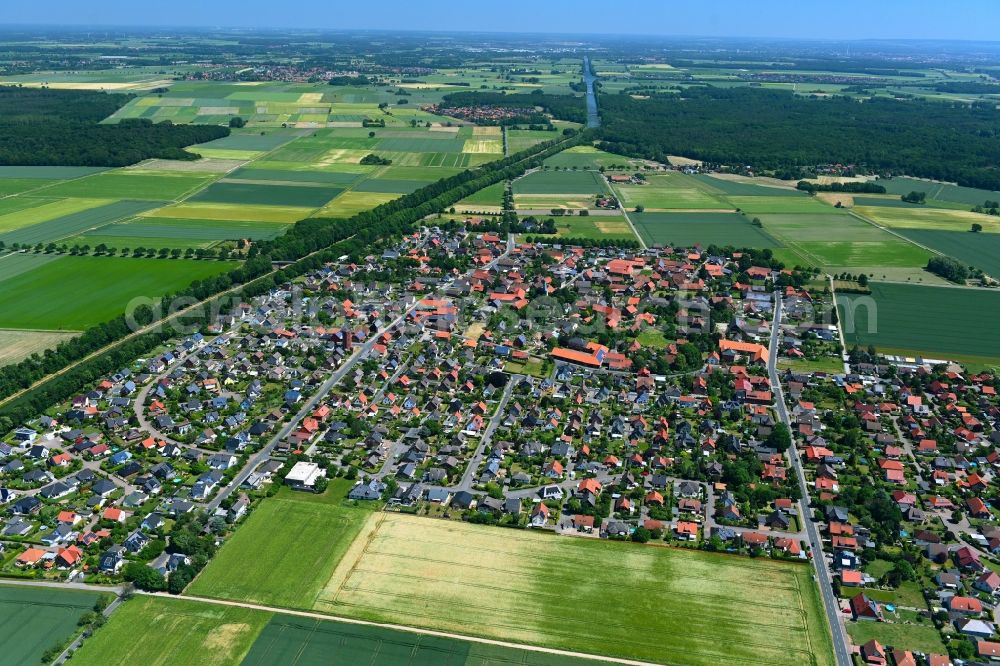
x: 980, y: 250
x: 587, y: 157
x: 63, y: 227
x: 596, y: 227
x: 667, y: 191
x: 18, y: 345
x: 267, y: 560
x: 534, y: 588
x: 938, y: 191
x: 36, y: 619
x: 699, y: 229
x: 72, y: 293
x: 299, y: 641
x: 176, y: 631
x: 928, y: 218
x: 937, y: 322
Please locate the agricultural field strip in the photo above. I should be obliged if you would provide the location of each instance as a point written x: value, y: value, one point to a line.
x: 327, y: 617
x: 711, y: 613
x: 893, y: 232
x: 47, y: 184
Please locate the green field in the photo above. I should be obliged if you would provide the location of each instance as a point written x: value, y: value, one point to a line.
x: 670, y: 190
x: 173, y: 631
x: 704, y: 229
x: 940, y: 191
x: 561, y: 182
x: 586, y: 157
x: 603, y: 227
x: 72, y: 293
x: 488, y: 196
x: 917, y: 637
x: 840, y: 240
x: 288, y: 537
x: 69, y: 225
x: 746, y: 187
x: 18, y: 345
x: 949, y: 322
x: 130, y: 184
x: 929, y: 218
x: 21, y: 212
x: 298, y: 641
x: 36, y: 619
x: 980, y: 250
x: 665, y: 605
x: 760, y: 205
x: 265, y: 194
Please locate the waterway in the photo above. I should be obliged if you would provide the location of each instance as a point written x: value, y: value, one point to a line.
x: 593, y: 118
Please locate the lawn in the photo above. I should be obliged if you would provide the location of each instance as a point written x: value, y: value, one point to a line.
x: 72, y: 293
x: 174, y: 631
x: 535, y: 588
x: 285, y: 551
x: 918, y: 637
x: 704, y: 229
x: 36, y: 619
x: 915, y: 319
x: 299, y: 641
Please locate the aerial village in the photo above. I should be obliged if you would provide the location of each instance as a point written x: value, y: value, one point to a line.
x: 685, y: 397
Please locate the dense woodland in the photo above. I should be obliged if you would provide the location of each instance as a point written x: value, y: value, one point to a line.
x: 60, y: 127
x: 777, y: 130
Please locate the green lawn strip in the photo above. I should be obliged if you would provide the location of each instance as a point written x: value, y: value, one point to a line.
x: 157, y: 630
x: 934, y: 321
x: 73, y: 293
x: 285, y: 552
x: 35, y: 619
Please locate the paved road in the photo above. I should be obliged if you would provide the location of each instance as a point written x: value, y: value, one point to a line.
x: 484, y: 441
x: 403, y: 628
x: 830, y: 602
